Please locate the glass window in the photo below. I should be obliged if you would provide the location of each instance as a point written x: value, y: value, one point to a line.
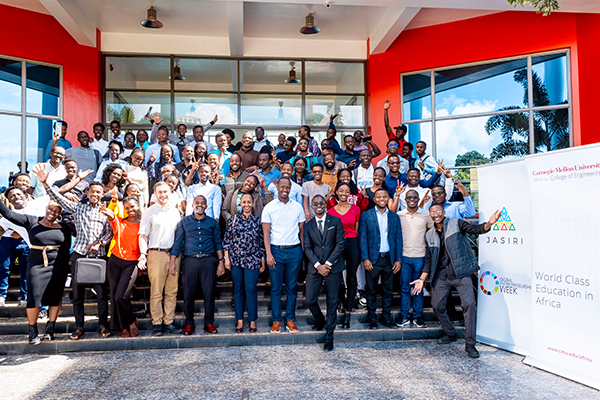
x: 43, y: 89
x: 131, y: 107
x: 269, y: 76
x: 334, y: 77
x: 420, y: 132
x: 192, y: 109
x: 138, y: 73
x: 551, y: 130
x: 350, y: 110
x: 550, y: 80
x: 271, y: 110
x: 207, y: 74
x: 416, y: 91
x: 481, y: 88
x: 476, y: 141
x: 10, y: 151
x: 10, y: 84
x: 39, y: 133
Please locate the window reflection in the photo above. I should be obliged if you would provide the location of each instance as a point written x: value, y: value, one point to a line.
x: 334, y: 77
x: 10, y: 153
x: 10, y: 84
x: 207, y: 74
x: 43, y: 89
x: 551, y: 130
x: 270, y: 110
x: 39, y: 133
x: 350, y: 110
x: 131, y: 107
x: 417, y: 96
x: 550, y: 79
x: 481, y: 88
x: 420, y: 132
x: 192, y: 109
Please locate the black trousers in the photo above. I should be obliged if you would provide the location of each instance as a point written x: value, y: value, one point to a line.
x: 79, y: 299
x: 351, y: 255
x: 382, y: 267
x: 313, y: 289
x: 121, y: 278
x: 441, y: 286
x: 202, y: 271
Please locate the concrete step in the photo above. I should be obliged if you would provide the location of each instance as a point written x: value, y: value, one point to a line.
x: 18, y: 344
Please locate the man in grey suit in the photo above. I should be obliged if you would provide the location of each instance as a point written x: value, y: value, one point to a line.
x: 323, y: 244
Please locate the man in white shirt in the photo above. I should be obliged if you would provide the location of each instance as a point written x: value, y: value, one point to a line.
x: 260, y: 140
x: 54, y: 167
x: 283, y: 228
x: 363, y: 174
x: 99, y: 143
x: 115, y: 129
x: 296, y: 191
x: 313, y: 188
x: 413, y: 178
x: 198, y: 133
x: 414, y: 222
x: 393, y: 147
x: 156, y: 237
x: 212, y: 194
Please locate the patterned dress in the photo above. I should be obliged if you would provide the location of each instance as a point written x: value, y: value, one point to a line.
x: 244, y: 241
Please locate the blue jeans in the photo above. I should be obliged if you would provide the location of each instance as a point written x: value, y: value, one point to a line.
x: 10, y: 249
x: 287, y: 264
x: 247, y: 279
x: 411, y: 271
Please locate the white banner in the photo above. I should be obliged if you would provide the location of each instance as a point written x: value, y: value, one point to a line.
x: 565, y: 213
x: 504, y: 285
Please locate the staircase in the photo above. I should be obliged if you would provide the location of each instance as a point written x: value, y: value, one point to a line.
x: 14, y: 327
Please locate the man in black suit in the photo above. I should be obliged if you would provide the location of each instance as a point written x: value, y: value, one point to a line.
x: 323, y: 244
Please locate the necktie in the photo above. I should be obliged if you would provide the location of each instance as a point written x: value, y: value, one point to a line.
x: 320, y: 226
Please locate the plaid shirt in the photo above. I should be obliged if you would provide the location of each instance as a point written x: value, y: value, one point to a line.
x: 90, y: 224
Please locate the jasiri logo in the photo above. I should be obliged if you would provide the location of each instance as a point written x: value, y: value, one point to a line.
x: 504, y: 225
x: 490, y: 283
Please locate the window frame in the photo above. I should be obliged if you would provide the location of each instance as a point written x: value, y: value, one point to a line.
x: 529, y: 109
x: 239, y: 92
x: 24, y: 114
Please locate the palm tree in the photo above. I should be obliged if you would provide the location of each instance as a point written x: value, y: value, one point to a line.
x: 550, y: 127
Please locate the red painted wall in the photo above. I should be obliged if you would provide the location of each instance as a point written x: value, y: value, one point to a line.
x: 486, y: 38
x: 40, y: 37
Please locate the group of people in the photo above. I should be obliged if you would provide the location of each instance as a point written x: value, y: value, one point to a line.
x: 169, y: 202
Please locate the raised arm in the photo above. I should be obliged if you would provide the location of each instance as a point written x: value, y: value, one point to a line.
x: 42, y: 174
x: 386, y: 119
x: 23, y: 220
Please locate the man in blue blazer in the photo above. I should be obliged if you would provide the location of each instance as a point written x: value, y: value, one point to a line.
x: 380, y: 239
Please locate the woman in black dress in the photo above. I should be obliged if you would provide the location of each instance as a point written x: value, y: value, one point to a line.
x: 47, y: 265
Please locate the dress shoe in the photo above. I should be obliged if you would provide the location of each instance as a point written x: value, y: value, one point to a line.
x: 49, y: 335
x: 389, y: 324
x: 346, y: 321
x: 210, y: 328
x: 189, y: 329
x: 239, y: 330
x: 319, y: 325
x: 125, y: 333
x: 446, y: 339
x: 328, y: 346
x: 471, y: 350
x: 373, y: 324
x: 291, y: 327
x: 157, y: 330
x: 251, y: 329
x: 134, y: 329
x: 170, y: 328
x: 276, y: 327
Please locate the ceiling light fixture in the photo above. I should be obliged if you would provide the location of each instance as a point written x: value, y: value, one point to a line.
x: 177, y: 73
x: 292, y: 78
x: 310, y: 27
x: 151, y: 22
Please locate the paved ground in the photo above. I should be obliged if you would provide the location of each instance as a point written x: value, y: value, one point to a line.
x: 379, y: 370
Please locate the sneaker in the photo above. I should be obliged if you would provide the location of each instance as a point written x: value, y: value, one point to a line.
x: 170, y: 328
x: 446, y: 339
x: 426, y: 293
x: 43, y: 314
x: 2, y: 302
x: 157, y: 331
x: 419, y: 323
x: 276, y: 327
x: 291, y: 327
x: 403, y: 323
x: 22, y: 302
x: 362, y: 300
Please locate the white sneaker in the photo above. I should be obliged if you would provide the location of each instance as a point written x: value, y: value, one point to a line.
x: 426, y: 293
x: 22, y: 302
x: 2, y: 302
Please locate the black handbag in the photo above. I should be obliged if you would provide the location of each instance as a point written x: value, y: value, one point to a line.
x: 90, y: 271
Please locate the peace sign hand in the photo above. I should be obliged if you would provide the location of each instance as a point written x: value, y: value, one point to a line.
x: 400, y: 188
x: 426, y: 198
x: 363, y: 191
x: 153, y: 156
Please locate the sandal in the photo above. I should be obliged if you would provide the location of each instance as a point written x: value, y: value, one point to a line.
x: 78, y: 334
x: 104, y: 332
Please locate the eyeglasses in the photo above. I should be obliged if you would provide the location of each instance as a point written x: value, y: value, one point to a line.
x: 393, y: 163
x: 434, y: 213
x: 393, y: 145
x: 412, y: 197
x: 318, y: 203
x: 438, y: 193
x: 56, y: 153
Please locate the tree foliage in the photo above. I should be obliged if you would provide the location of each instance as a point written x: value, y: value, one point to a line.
x: 543, y: 6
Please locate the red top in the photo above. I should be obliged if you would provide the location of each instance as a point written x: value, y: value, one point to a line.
x: 356, y: 199
x: 401, y: 142
x: 349, y: 220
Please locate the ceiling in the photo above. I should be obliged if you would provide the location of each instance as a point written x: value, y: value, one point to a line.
x: 261, y: 27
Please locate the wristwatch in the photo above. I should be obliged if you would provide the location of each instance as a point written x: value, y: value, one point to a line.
x: 221, y: 259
